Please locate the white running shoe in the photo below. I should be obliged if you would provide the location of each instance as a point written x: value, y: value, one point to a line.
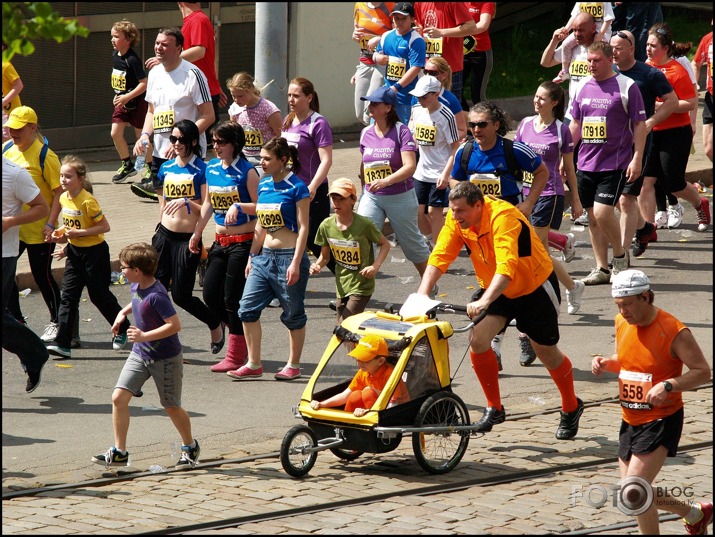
x: 569, y: 250
x: 675, y: 215
x: 573, y: 297
x: 661, y: 220
x: 50, y: 332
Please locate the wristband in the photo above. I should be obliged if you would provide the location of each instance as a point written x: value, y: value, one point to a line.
x: 252, y: 255
x: 143, y: 133
x: 397, y: 85
x: 50, y: 225
x: 238, y: 206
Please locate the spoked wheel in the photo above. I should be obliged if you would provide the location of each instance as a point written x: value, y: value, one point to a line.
x: 440, y: 452
x: 346, y: 454
x: 294, y: 459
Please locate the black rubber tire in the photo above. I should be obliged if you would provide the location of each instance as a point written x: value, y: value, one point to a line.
x: 295, y: 463
x: 439, y: 453
x: 346, y: 454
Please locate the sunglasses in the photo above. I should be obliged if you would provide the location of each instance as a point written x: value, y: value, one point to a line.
x: 661, y: 31
x: 624, y: 36
x: 219, y: 142
x: 480, y: 124
x: 126, y: 267
x: 173, y: 139
x: 430, y: 72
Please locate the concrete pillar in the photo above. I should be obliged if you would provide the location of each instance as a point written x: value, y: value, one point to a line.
x: 271, y: 59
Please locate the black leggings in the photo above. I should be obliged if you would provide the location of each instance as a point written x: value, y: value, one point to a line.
x: 224, y: 281
x: 40, y: 258
x: 478, y: 65
x: 319, y: 211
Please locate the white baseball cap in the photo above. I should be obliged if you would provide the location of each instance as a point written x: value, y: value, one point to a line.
x: 426, y: 84
x: 629, y: 283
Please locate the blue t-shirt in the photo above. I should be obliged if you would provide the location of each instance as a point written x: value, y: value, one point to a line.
x: 277, y: 202
x: 404, y: 51
x: 484, y: 164
x: 651, y: 81
x: 182, y: 182
x: 150, y: 308
x: 228, y: 186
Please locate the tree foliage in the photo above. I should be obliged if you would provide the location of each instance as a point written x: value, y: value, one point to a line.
x: 25, y: 22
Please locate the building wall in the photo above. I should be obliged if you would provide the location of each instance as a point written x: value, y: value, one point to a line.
x: 68, y: 84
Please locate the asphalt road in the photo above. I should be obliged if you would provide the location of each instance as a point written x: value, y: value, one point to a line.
x: 50, y: 435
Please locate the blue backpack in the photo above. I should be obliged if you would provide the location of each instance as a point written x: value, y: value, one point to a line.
x: 43, y: 152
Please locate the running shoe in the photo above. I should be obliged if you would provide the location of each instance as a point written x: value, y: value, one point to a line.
x: 701, y: 526
x: 661, y: 220
x: 675, y: 215
x: 288, y: 373
x: 113, y: 457
x: 642, y: 239
x: 490, y: 418
x: 33, y: 380
x: 528, y: 355
x: 562, y: 76
x: 124, y: 171
x: 598, y: 276
x: 76, y: 342
x: 568, y: 426
x: 245, y: 372
x: 573, y: 297
x: 583, y: 219
x: 189, y: 456
x: 60, y: 352
x: 145, y: 189
x: 620, y: 264
x: 119, y: 341
x: 569, y: 250
x: 50, y: 332
x: 496, y: 347
x: 704, y: 215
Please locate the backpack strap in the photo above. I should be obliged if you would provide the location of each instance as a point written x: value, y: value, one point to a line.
x: 512, y: 165
x: 466, y: 153
x: 43, y: 152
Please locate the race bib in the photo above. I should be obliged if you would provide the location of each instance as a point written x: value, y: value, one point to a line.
x: 396, y: 68
x: 425, y: 134
x: 222, y: 197
x: 578, y: 68
x: 163, y: 120
x: 178, y: 186
x: 254, y: 139
x: 119, y: 80
x: 269, y: 216
x: 593, y: 130
x: 528, y: 179
x: 489, y: 183
x: 434, y: 46
x: 593, y: 8
x: 346, y: 253
x: 633, y: 388
x: 469, y: 44
x: 379, y: 169
x: 71, y: 218
x: 364, y: 49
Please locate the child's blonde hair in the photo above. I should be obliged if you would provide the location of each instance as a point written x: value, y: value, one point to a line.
x: 130, y: 31
x: 80, y: 168
x: 444, y: 68
x: 243, y: 81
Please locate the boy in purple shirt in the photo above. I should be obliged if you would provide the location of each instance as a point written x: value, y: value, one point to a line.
x: 157, y: 353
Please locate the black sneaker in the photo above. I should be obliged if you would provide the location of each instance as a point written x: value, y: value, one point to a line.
x: 145, y: 190
x: 568, y: 426
x: 491, y: 417
x: 528, y: 355
x: 124, y: 171
x: 189, y: 456
x: 33, y: 380
x: 113, y: 457
x: 59, y: 352
x: 333, y: 305
x: 641, y: 240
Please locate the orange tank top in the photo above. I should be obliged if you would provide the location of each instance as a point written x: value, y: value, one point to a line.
x: 645, y: 359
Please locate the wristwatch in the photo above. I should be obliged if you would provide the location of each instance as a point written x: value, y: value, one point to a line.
x: 668, y: 386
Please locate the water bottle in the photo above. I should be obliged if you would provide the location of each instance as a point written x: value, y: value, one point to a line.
x: 141, y: 158
x: 156, y: 469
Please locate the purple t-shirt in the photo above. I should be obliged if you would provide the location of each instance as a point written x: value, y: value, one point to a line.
x: 548, y: 144
x: 150, y: 307
x: 309, y: 135
x: 382, y: 156
x: 606, y: 127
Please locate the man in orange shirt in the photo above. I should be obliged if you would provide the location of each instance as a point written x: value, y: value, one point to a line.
x: 651, y: 348
x: 519, y: 282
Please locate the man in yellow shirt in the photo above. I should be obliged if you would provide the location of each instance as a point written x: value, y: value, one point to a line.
x: 519, y: 282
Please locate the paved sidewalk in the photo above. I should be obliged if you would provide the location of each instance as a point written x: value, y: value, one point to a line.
x: 134, y: 219
x: 535, y: 506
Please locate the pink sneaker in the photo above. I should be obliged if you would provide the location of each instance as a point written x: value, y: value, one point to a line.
x: 288, y: 373
x: 701, y: 526
x: 245, y: 372
x: 562, y: 76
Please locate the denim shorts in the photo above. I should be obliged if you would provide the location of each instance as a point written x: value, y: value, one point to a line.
x: 167, y: 373
x: 267, y: 280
